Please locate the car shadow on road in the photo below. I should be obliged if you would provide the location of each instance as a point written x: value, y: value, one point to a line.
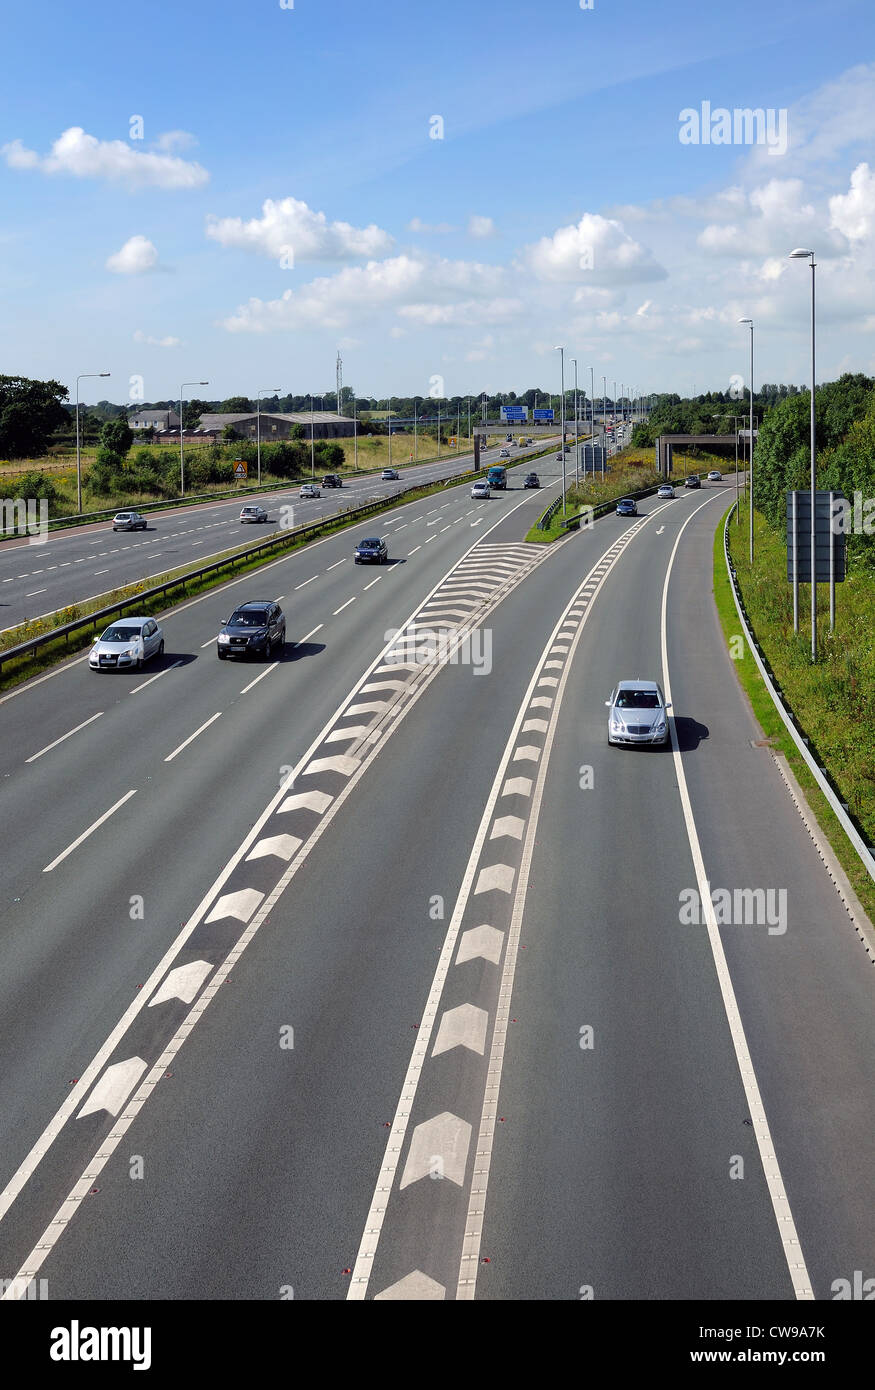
x: 296, y: 651
x: 690, y: 733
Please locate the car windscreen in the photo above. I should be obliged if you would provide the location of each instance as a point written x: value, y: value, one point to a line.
x: 121, y: 634
x: 637, y: 699
x: 373, y: 543
x: 249, y: 617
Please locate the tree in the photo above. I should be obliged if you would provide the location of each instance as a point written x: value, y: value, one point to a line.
x: 237, y: 405
x: 116, y: 436
x: 30, y: 411
x: 229, y: 434
x: 192, y: 411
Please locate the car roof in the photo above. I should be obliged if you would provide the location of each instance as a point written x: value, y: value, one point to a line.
x: 254, y: 603
x: 637, y: 685
x: 127, y: 622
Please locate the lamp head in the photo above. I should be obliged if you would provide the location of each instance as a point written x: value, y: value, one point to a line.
x: 800, y: 253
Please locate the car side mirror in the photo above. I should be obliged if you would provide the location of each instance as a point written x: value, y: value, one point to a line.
x: 607, y: 702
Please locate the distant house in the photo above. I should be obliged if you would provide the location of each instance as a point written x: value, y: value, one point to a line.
x: 325, y: 424
x: 154, y: 419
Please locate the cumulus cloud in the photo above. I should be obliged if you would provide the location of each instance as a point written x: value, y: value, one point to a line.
x: 290, y: 225
x: 83, y: 156
x: 137, y: 256
x: 413, y: 280
x: 596, y: 248
x: 853, y: 213
x: 481, y: 227
x: 172, y: 140
x: 463, y: 314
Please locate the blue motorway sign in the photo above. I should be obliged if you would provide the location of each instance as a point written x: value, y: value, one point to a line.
x: 515, y: 413
x: 543, y: 415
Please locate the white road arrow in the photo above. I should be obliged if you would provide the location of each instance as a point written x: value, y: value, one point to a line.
x: 310, y: 801
x: 483, y: 942
x: 464, y: 1026
x: 182, y: 983
x: 283, y: 846
x: 240, y: 905
x: 337, y: 764
x: 498, y: 876
x: 438, y: 1146
x: 114, y: 1087
x: 414, y: 1288
x: 659, y: 530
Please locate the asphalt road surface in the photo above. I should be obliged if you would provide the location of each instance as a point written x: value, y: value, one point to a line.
x: 374, y: 977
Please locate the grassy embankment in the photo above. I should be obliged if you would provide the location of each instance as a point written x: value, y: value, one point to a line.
x: 834, y: 700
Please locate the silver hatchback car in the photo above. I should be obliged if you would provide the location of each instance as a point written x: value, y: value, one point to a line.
x: 638, y: 713
x: 126, y: 645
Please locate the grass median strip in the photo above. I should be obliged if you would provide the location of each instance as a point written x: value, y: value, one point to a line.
x: 827, y: 699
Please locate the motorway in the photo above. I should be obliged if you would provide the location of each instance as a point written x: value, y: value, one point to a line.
x: 364, y: 977
x: 41, y: 575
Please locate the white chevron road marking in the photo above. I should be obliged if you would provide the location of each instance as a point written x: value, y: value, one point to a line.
x: 480, y: 943
x: 114, y: 1087
x: 439, y: 1146
x: 463, y: 1026
x: 182, y: 983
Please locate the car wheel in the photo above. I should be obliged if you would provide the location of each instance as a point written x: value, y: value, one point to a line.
x: 161, y: 648
x: 220, y: 655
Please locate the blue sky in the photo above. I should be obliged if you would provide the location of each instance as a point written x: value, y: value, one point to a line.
x: 287, y: 198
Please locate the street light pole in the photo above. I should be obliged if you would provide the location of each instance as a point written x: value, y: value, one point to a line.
x: 750, y: 441
x: 267, y: 391
x: 799, y: 254
x: 415, y: 455
x: 312, y: 445
x: 561, y: 350
x: 576, y: 431
x: 182, y: 434
x: 355, y: 436
x: 82, y: 376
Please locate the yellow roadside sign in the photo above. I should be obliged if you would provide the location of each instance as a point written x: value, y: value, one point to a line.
x: 241, y: 469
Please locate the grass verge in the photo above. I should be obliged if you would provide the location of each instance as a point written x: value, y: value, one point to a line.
x: 841, y: 738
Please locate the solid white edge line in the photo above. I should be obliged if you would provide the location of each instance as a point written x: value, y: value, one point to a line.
x: 50, y: 746
x: 787, y: 1233
x: 192, y: 737
x: 90, y: 831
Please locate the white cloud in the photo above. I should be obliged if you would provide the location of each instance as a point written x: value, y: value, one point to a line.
x: 85, y: 157
x: 172, y: 140
x: 137, y: 255
x: 141, y: 337
x: 596, y: 249
x: 416, y: 224
x: 290, y: 225
x: 461, y: 315
x: 853, y: 213
x: 481, y: 228
x: 356, y: 291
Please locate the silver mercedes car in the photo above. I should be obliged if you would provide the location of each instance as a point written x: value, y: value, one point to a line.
x: 638, y: 713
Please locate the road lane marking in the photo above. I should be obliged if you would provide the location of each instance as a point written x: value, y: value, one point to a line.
x: 342, y: 606
x: 209, y: 642
x: 90, y: 831
x: 266, y: 672
x: 413, y: 551
x: 50, y: 746
x: 97, y: 572
x: 799, y: 1276
x: 331, y: 567
x: 156, y: 677
x: 34, y: 593
x: 192, y: 737
x: 308, y: 581
x: 372, y: 583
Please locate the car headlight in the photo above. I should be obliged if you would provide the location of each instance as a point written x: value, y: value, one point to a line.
x: 660, y: 727
x: 223, y: 637
x: 618, y: 725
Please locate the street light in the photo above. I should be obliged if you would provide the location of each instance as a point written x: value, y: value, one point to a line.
x: 268, y: 391
x: 802, y: 254
x: 182, y: 434
x: 415, y: 451
x: 82, y: 376
x: 355, y: 437
x: 750, y: 442
x: 312, y: 446
x: 592, y: 419
x: 561, y: 351
x: 576, y: 439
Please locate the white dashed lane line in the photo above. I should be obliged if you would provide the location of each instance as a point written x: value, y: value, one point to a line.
x: 192, y: 737
x: 306, y: 582
x: 333, y: 567
x: 342, y: 606
x: 90, y: 831
x: 413, y: 551
x: 372, y: 583
x: 33, y: 593
x: 50, y: 746
x: 312, y: 633
x: 156, y: 677
x: 265, y: 672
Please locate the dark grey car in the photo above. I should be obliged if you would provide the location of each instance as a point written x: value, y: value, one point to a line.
x: 254, y: 629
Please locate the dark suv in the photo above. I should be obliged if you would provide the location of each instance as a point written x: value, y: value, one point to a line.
x: 254, y: 629
x: 332, y: 480
x: 371, y: 551
x: 693, y: 481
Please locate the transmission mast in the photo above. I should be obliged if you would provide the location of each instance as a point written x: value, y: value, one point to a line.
x: 339, y: 383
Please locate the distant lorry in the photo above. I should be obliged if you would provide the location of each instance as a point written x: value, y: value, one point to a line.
x: 497, y: 476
